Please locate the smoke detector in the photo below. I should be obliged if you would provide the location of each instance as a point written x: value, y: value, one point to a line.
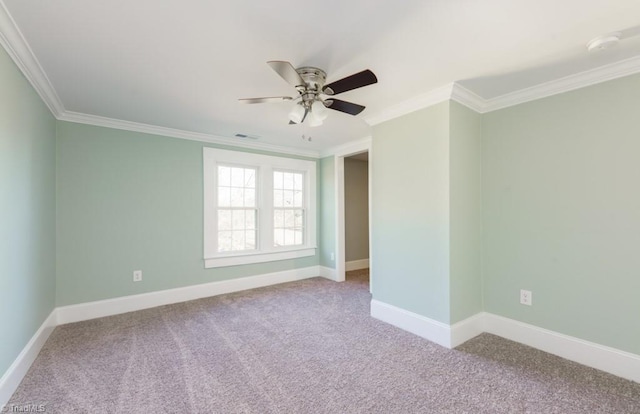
x: 604, y: 42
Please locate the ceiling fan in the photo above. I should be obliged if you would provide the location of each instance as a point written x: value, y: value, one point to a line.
x: 315, y: 97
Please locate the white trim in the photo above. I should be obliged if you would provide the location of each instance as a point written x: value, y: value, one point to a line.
x: 568, y: 83
x: 14, y: 43
x: 108, y: 307
x: 96, y: 120
x: 20, y: 52
x: 339, y: 215
x: 421, y: 101
x: 467, y: 98
x: 466, y: 329
x: 345, y: 150
x: 614, y: 361
x: 348, y: 148
x: 258, y: 258
x: 456, y: 92
x: 611, y: 360
x: 264, y: 165
x: 357, y: 264
x: 16, y: 372
x: 422, y: 326
x: 329, y: 273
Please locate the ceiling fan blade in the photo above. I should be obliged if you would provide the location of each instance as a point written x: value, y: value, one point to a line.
x: 357, y: 80
x: 344, y: 106
x: 266, y: 99
x: 287, y: 72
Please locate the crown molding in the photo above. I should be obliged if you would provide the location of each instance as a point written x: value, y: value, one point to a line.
x: 456, y: 92
x: 14, y: 43
x: 467, y: 98
x: 568, y: 83
x: 18, y: 49
x: 421, y: 101
x: 348, y: 147
x: 101, y: 121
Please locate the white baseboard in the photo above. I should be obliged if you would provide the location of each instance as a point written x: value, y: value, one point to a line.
x: 422, y: 326
x: 108, y: 307
x: 329, y: 273
x: 356, y: 265
x: 611, y: 360
x: 16, y: 372
x: 466, y: 329
x: 614, y: 361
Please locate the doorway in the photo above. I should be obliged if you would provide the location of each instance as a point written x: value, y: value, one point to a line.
x: 356, y: 211
x: 352, y: 150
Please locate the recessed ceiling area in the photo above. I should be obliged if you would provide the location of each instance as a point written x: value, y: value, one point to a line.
x: 184, y: 64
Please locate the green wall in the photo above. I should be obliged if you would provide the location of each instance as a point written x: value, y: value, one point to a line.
x: 410, y: 212
x: 327, y: 211
x: 561, y: 212
x: 129, y: 201
x: 27, y: 208
x: 465, y: 198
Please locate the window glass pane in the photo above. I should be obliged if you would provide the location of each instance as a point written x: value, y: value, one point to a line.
x: 277, y: 180
x: 224, y: 196
x: 237, y: 197
x: 250, y: 239
x: 278, y: 219
x: 224, y: 176
x: 288, y: 198
x: 238, y: 220
x: 277, y: 198
x: 237, y: 240
x: 250, y: 220
x: 249, y: 197
x: 224, y: 241
x: 289, y: 218
x: 288, y: 227
x: 297, y: 198
x: 297, y: 181
x: 224, y: 219
x: 288, y: 237
x: 237, y: 177
x: 278, y: 235
x: 250, y: 178
x: 288, y: 181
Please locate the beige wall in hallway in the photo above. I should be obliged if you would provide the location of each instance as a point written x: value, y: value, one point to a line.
x: 356, y: 193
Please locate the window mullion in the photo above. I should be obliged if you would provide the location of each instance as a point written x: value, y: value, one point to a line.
x: 266, y: 208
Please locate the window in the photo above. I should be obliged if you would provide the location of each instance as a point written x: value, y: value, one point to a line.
x: 288, y: 208
x: 236, y: 208
x: 257, y: 208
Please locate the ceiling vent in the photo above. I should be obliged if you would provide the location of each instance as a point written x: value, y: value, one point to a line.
x: 246, y: 136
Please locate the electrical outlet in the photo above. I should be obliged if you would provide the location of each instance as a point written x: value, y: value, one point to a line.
x: 526, y: 297
x: 137, y: 275
x: 333, y: 257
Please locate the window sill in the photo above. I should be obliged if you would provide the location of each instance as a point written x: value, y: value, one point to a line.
x: 258, y: 258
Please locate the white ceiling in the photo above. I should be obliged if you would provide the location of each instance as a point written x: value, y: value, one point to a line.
x: 184, y: 63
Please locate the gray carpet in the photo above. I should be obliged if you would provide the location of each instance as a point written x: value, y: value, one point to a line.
x: 302, y: 347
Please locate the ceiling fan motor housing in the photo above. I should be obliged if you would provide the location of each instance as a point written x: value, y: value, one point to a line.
x: 314, y: 79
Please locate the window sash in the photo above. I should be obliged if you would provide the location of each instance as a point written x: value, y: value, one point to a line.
x: 290, y: 233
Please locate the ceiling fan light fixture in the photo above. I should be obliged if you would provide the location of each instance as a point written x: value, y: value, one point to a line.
x: 314, y: 120
x: 297, y: 113
x: 319, y: 110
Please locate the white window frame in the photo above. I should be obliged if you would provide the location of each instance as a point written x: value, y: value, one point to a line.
x: 265, y: 249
